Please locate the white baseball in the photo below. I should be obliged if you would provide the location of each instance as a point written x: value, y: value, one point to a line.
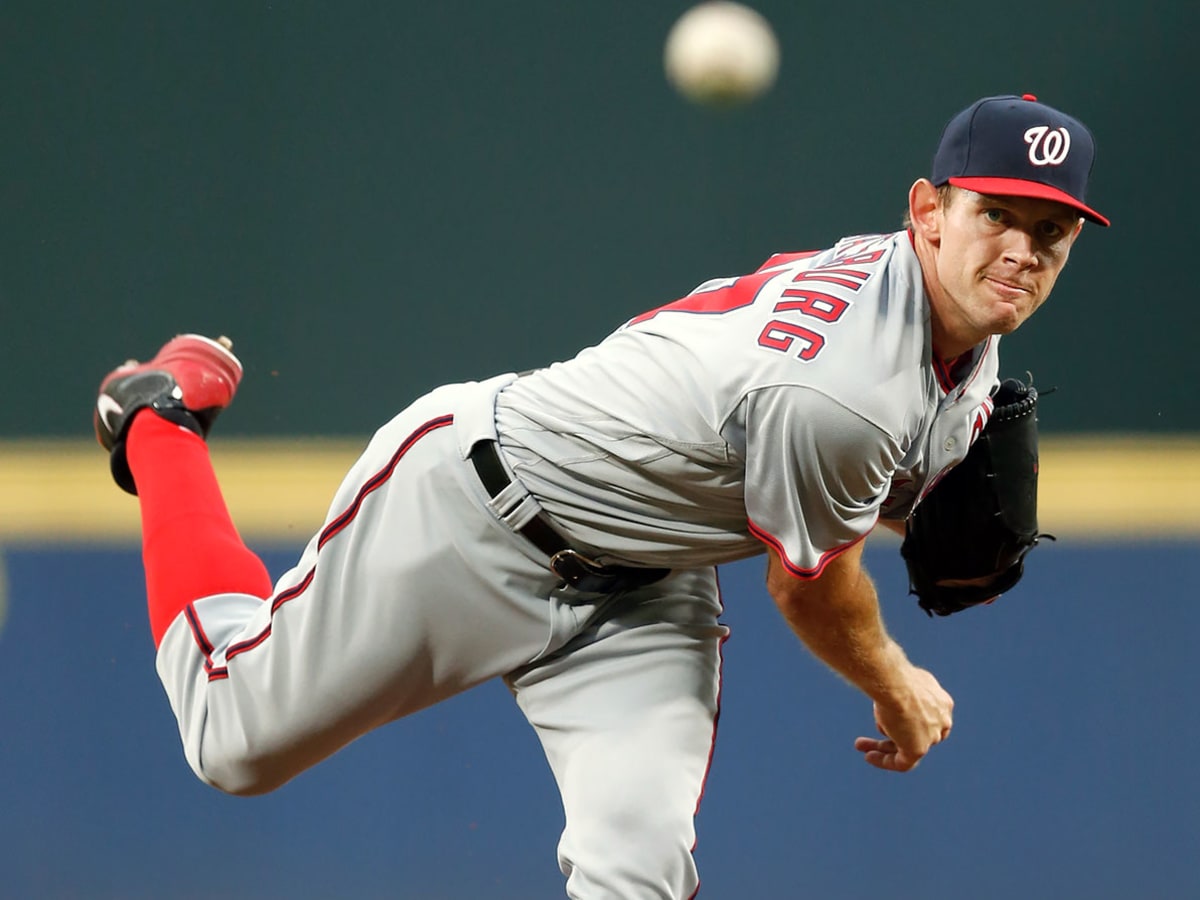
x: 721, y: 53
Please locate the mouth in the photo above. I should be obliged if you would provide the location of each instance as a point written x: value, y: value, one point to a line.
x: 1008, y: 289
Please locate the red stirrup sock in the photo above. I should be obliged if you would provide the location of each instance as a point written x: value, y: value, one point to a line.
x: 190, y: 547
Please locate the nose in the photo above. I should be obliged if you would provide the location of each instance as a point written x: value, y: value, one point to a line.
x: 1020, y: 249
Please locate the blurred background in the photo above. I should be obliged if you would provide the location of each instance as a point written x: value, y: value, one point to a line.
x: 374, y: 198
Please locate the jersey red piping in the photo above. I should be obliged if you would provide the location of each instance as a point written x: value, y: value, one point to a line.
x: 335, y: 527
x: 979, y: 363
x: 942, y: 370
x: 205, y: 645
x: 815, y: 572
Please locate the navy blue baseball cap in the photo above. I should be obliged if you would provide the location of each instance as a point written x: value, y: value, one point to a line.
x: 1012, y: 146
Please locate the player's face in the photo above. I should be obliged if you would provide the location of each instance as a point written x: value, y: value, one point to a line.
x: 997, y: 260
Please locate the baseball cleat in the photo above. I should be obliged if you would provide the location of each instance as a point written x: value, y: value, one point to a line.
x: 188, y: 382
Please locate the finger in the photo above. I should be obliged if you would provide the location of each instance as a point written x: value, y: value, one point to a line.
x: 866, y: 744
x: 886, y: 755
x: 897, y: 761
x: 890, y: 762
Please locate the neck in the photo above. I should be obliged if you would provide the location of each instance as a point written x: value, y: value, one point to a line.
x: 951, y: 336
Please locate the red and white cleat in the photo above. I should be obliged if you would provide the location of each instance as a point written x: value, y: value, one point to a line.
x: 188, y: 382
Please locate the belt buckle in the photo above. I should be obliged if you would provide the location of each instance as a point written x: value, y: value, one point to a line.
x: 573, y: 567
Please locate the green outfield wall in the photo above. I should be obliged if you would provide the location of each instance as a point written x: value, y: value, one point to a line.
x: 375, y: 198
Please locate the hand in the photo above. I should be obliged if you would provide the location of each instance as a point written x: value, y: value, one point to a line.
x: 910, y: 725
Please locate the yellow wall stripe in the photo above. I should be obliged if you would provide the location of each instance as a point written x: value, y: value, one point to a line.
x: 279, y: 490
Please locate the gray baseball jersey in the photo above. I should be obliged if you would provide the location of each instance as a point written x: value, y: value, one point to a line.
x: 790, y: 407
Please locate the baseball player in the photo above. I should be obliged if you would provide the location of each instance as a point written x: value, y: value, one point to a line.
x: 559, y: 529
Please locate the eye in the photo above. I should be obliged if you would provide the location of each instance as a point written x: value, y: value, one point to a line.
x: 1049, y: 230
x: 994, y: 214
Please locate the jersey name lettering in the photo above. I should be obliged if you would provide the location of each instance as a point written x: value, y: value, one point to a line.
x: 782, y: 335
x: 726, y: 295
x: 830, y: 276
x: 825, y: 307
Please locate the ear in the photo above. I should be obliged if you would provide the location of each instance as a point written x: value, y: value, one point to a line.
x: 923, y: 209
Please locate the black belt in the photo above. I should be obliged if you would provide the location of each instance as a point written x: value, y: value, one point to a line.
x: 570, y: 565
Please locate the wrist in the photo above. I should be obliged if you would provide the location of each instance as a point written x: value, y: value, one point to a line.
x: 890, y: 682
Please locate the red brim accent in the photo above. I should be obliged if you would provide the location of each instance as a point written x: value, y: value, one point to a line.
x: 1018, y: 187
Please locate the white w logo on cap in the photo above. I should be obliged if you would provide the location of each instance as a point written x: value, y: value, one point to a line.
x: 1046, y: 147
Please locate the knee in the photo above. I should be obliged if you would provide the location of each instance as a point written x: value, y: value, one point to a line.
x: 639, y: 850
x: 241, y: 771
x: 242, y: 778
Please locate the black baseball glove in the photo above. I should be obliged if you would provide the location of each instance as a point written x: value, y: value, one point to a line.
x: 965, y: 543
